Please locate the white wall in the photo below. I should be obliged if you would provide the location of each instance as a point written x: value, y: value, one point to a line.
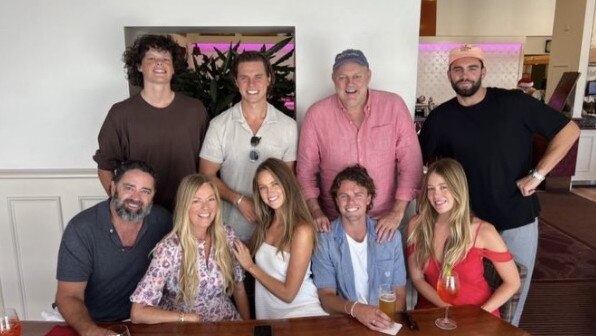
x: 535, y: 45
x: 495, y: 17
x: 62, y: 69
x: 35, y: 206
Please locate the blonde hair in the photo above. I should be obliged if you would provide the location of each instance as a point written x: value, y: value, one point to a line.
x: 189, y: 274
x: 293, y: 211
x: 459, y: 218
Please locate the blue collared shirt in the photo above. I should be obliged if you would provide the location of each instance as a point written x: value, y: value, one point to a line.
x: 332, y: 264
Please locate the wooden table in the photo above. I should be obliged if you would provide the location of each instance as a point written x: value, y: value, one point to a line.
x: 470, y: 320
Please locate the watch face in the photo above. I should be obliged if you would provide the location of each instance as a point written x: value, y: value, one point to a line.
x: 537, y: 175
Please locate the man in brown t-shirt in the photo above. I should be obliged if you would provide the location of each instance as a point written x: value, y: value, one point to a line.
x: 158, y: 126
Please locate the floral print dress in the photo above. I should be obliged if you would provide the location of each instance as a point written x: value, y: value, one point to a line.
x: 159, y: 286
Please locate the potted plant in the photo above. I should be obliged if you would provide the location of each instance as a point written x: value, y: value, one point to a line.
x: 211, y: 79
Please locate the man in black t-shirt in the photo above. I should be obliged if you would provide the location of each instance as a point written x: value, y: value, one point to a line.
x: 489, y: 131
x: 105, y: 251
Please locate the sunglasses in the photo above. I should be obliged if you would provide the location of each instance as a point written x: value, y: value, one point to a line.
x: 254, y: 154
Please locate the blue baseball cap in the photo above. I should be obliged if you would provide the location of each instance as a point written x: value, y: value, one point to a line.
x: 350, y: 55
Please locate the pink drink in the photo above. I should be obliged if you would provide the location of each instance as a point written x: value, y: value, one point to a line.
x: 448, y: 289
x: 14, y: 329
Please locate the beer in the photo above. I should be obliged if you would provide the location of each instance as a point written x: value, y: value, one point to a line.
x: 387, y: 297
x: 387, y: 304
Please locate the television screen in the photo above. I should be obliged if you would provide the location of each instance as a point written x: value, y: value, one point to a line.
x: 591, y: 88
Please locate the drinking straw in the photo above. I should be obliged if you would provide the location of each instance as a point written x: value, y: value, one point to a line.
x: 2, y: 299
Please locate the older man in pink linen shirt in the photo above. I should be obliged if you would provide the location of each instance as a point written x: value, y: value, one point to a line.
x: 358, y: 125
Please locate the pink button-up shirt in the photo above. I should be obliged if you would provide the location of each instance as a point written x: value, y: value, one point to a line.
x: 385, y: 144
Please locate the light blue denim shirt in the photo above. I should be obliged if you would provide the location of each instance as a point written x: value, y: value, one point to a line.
x: 332, y: 264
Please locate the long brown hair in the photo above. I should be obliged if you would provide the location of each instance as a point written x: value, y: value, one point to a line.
x: 293, y: 211
x: 459, y: 218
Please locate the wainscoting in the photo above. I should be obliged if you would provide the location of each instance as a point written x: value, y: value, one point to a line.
x: 35, y: 206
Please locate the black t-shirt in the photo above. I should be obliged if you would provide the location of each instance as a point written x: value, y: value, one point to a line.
x: 493, y: 142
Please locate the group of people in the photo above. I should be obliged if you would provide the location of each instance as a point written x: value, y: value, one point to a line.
x: 318, y: 241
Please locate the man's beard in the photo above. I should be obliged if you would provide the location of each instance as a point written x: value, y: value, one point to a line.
x: 469, y: 91
x: 126, y: 214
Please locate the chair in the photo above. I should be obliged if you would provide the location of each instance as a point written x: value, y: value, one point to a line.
x: 494, y: 280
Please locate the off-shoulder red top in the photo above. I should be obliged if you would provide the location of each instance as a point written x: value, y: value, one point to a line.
x: 473, y: 286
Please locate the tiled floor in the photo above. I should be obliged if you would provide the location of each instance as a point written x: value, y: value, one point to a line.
x: 589, y: 193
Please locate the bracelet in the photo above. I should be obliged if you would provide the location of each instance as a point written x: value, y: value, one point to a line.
x: 239, y: 200
x: 535, y: 174
x: 346, y: 307
x: 352, y: 309
x: 181, y: 317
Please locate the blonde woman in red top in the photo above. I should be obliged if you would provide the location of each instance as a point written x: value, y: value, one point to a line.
x: 445, y: 232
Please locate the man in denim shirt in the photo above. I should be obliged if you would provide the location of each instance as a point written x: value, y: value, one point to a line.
x: 349, y: 265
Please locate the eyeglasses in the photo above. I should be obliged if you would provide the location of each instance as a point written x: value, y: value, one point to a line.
x: 254, y: 154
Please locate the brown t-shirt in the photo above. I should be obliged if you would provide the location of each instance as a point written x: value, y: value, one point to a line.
x: 169, y: 139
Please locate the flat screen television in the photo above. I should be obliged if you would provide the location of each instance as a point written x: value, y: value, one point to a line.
x: 591, y: 88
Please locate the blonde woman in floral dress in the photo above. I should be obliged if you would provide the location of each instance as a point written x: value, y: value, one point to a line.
x: 193, y: 272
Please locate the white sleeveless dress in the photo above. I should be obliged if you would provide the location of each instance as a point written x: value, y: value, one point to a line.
x: 267, y: 305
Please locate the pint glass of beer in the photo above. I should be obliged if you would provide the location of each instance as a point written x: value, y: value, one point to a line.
x: 387, y: 297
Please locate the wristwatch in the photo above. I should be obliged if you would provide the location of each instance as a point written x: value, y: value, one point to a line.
x: 535, y: 174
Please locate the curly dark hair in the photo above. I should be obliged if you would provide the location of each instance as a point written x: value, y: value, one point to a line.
x: 358, y: 174
x: 255, y: 56
x: 133, y: 56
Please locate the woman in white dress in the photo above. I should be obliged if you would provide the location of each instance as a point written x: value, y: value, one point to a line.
x: 282, y: 245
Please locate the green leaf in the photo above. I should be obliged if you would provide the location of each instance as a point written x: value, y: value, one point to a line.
x: 447, y: 268
x: 221, y: 55
x: 284, y: 57
x: 278, y: 46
